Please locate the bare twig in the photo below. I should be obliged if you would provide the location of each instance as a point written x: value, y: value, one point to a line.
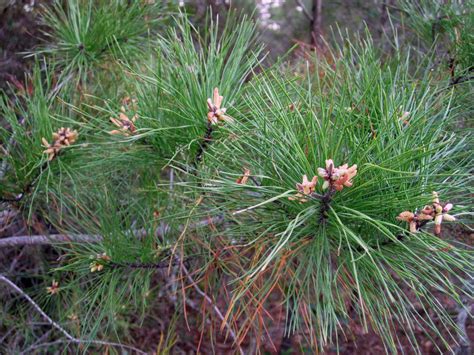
x: 316, y: 24
x: 84, y: 238
x: 165, y: 228
x: 7, y: 217
x: 461, y: 320
x: 173, y: 270
x: 203, y: 145
x: 49, y: 239
x: 15, y: 260
x: 171, y: 179
x: 464, y: 346
x: 305, y: 10
x: 37, y: 343
x: 213, y: 305
x: 51, y: 322
x: 460, y: 79
x: 44, y: 345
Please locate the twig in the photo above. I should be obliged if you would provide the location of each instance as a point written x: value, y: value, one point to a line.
x: 51, y: 322
x: 171, y: 179
x: 204, y: 144
x: 460, y: 79
x: 49, y: 239
x: 464, y: 347
x: 7, y: 217
x: 399, y: 238
x: 305, y: 10
x: 454, y: 82
x: 37, y: 343
x: 84, y: 238
x: 15, y: 261
x: 173, y: 284
x: 325, y: 205
x: 43, y: 345
x: 213, y: 305
x: 461, y: 319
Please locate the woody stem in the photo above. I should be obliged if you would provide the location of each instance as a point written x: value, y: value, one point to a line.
x: 400, y: 237
x: 207, y: 139
x: 325, y: 205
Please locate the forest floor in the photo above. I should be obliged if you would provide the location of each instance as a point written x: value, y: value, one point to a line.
x: 20, y: 32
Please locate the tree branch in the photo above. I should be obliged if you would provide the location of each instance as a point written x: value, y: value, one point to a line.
x: 305, y: 10
x: 49, y: 239
x: 316, y: 24
x: 203, y: 145
x: 84, y: 238
x: 464, y: 344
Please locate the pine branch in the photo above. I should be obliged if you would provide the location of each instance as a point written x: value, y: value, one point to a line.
x: 85, y: 238
x: 54, y: 324
x: 325, y: 205
x: 399, y: 237
x: 49, y: 239
x: 461, y: 79
x: 204, y: 144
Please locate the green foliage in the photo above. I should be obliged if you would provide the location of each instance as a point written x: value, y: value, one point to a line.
x: 31, y: 115
x: 356, y: 114
x: 87, y: 35
x: 448, y: 24
x: 185, y: 68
